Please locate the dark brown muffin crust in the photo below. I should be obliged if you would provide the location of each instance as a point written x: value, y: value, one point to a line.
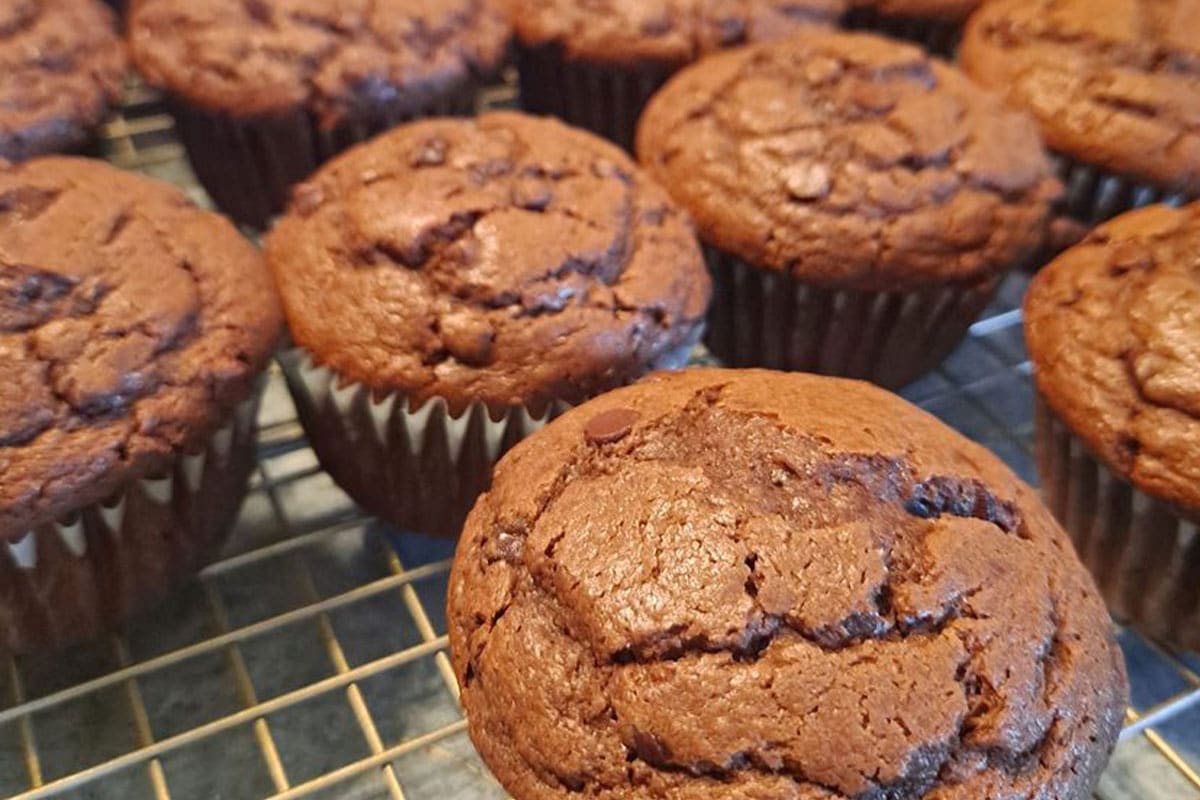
x: 636, y: 32
x: 1115, y: 83
x: 1113, y: 327
x: 508, y: 260
x: 61, y: 64
x: 338, y: 60
x: 131, y: 323
x: 851, y: 161
x: 751, y: 585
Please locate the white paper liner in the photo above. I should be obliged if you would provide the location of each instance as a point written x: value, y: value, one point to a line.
x: 1143, y: 552
x: 184, y: 478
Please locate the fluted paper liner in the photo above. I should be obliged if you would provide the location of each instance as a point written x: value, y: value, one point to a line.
x: 1144, y: 553
x: 249, y: 166
x: 1094, y: 196
x: 765, y: 318
x: 71, y: 580
x: 939, y: 36
x: 419, y: 468
x: 607, y: 100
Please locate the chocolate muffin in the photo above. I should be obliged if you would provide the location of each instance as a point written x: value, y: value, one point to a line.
x: 596, y: 64
x: 132, y: 329
x: 1114, y: 333
x: 1114, y: 86
x: 453, y: 283
x: 935, y: 24
x: 753, y: 584
x: 61, y: 65
x: 265, y: 91
x: 861, y: 200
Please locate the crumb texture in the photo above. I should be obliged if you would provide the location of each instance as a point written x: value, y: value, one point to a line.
x: 506, y: 260
x: 851, y: 161
x: 1115, y: 83
x: 1113, y: 328
x: 921, y: 9
x: 756, y: 585
x: 671, y: 32
x: 344, y: 60
x: 130, y: 323
x: 61, y: 64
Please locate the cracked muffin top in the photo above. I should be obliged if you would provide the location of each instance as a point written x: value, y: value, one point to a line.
x: 1113, y: 327
x: 744, y: 584
x: 61, y: 64
x: 851, y: 161
x: 509, y: 260
x: 336, y: 59
x: 1114, y: 83
x: 131, y: 323
x: 667, y: 32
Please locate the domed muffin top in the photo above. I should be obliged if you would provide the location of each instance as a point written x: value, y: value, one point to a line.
x: 751, y: 584
x: 131, y: 324
x: 851, y: 161
x: 1113, y: 327
x: 507, y: 260
x: 61, y: 65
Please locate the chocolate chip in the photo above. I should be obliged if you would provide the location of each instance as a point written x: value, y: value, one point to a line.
x: 611, y: 426
x: 431, y: 153
x: 532, y: 194
x: 468, y: 338
x: 307, y: 198
x: 807, y: 181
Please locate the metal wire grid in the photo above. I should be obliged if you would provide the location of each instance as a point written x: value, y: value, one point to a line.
x: 311, y: 661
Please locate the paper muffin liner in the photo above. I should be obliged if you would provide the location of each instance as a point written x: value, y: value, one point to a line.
x: 419, y: 468
x: 607, y: 100
x: 764, y: 318
x: 248, y: 166
x: 1144, y: 553
x: 940, y: 37
x: 1094, y: 195
x: 72, y: 580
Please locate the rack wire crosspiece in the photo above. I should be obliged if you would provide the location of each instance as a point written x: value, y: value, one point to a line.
x: 311, y: 661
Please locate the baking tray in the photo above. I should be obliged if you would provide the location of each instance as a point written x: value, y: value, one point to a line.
x: 310, y: 662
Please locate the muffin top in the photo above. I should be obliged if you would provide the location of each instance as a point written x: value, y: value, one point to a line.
x: 131, y: 323
x: 336, y: 59
x: 750, y: 585
x: 851, y: 161
x: 667, y: 32
x: 924, y: 9
x: 61, y: 65
x: 508, y: 260
x: 1113, y: 327
x: 1114, y: 83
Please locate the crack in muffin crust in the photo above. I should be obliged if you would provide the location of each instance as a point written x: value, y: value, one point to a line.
x: 740, y: 594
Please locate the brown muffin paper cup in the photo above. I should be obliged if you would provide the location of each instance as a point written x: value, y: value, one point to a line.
x: 1094, y: 196
x: 72, y: 580
x: 940, y: 37
x: 419, y: 468
x: 249, y: 166
x: 764, y: 318
x: 606, y: 100
x: 1144, y: 553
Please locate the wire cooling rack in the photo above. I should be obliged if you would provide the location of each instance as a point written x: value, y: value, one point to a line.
x: 310, y: 662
